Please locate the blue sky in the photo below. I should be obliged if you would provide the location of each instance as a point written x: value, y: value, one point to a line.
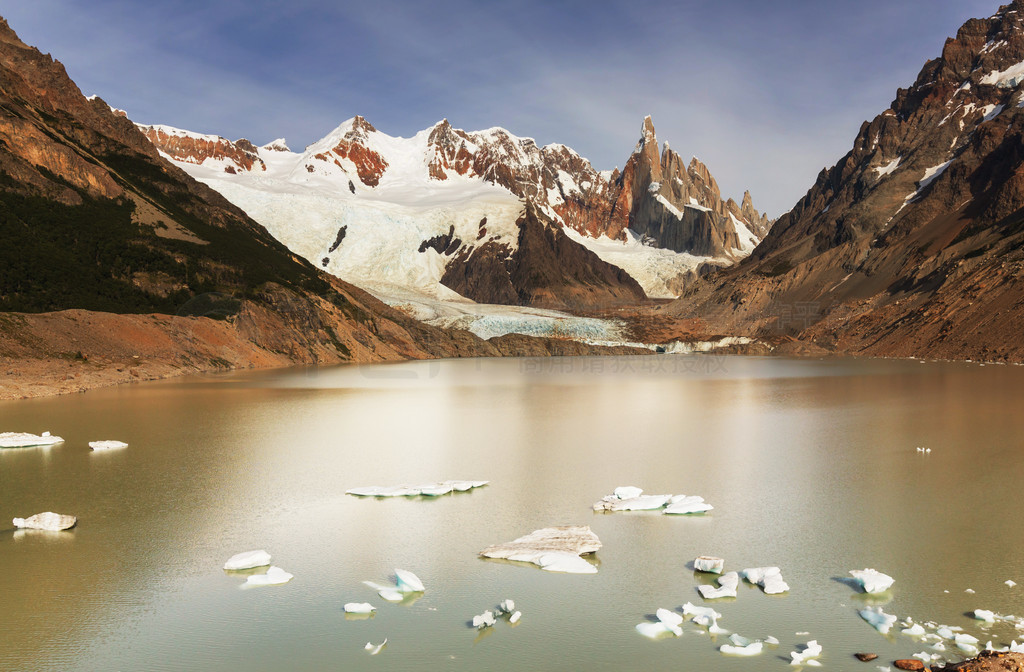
x: 765, y: 93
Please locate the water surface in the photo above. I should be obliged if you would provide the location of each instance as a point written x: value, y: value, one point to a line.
x: 810, y: 465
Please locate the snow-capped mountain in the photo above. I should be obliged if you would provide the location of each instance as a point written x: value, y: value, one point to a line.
x: 485, y: 215
x: 913, y: 243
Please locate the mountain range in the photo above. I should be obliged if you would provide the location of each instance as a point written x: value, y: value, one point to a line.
x: 148, y: 250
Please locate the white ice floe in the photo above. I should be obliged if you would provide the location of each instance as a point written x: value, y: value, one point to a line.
x: 638, y: 503
x: 984, y: 615
x: 916, y: 630
x: 969, y: 590
x: 506, y: 607
x: 628, y: 492
x: 704, y: 616
x: 751, y: 649
x: 1010, y: 582
x: 374, y: 649
x: 668, y: 622
x: 807, y: 655
x: 406, y: 583
x: 555, y: 549
x: 107, y: 445
x: 654, y: 630
x: 878, y: 619
x: 709, y: 563
x: 275, y: 576
x: 514, y: 618
x: 359, y: 608
x: 728, y: 584
x: 773, y: 641
x: 49, y: 521
x: 26, y: 440
x: 426, y: 490
x: 484, y: 620
x: 247, y: 560
x: 871, y: 580
x: 769, y: 578
x: 684, y: 504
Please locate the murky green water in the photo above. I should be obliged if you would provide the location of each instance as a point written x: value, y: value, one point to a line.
x: 810, y: 465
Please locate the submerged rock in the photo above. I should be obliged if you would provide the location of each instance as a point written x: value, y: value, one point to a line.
x: 865, y: 657
x: 247, y: 560
x: 50, y: 521
x: 26, y: 440
x: 556, y: 549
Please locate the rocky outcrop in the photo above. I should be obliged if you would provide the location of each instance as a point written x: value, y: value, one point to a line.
x: 913, y: 243
x: 194, y: 148
x: 370, y: 165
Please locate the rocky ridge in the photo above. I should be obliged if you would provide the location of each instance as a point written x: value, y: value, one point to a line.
x: 911, y: 245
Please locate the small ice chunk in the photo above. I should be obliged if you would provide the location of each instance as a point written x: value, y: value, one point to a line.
x: 514, y: 618
x: 506, y: 607
x: 1010, y: 582
x: 435, y: 490
x: 984, y: 615
x: 872, y: 581
x: 916, y: 630
x: 48, y: 520
x: 359, y: 608
x: 389, y: 593
x: 247, y: 560
x: 669, y: 618
x: 655, y: 630
x: 484, y: 620
x: 628, y: 492
x: 703, y: 616
x: 751, y: 649
x: 878, y: 619
x: 639, y: 503
x: 426, y: 490
x: 374, y: 649
x: 807, y: 654
x: 771, y: 640
x: 275, y: 576
x: 107, y: 445
x: 26, y: 440
x: 970, y: 590
x: 728, y: 584
x: 407, y: 582
x: 708, y: 563
x: 682, y: 505
x: 567, y: 563
x: 769, y: 578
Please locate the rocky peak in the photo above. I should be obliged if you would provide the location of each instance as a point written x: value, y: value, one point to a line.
x: 196, y: 148
x: 278, y: 145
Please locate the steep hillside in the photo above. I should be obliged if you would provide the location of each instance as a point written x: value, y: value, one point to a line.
x: 912, y: 243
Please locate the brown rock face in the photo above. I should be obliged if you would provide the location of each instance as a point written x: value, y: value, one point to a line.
x: 195, y: 148
x: 913, y: 243
x: 908, y: 664
x: 370, y: 165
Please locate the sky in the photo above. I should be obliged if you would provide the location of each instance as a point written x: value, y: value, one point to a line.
x: 765, y: 93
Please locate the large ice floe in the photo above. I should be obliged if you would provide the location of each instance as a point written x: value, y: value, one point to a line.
x: 247, y: 560
x: 25, y: 440
x: 669, y: 622
x: 871, y: 580
x: 631, y: 498
x: 425, y: 490
x: 107, y: 445
x: 742, y: 646
x: 555, y: 549
x: 704, y: 616
x: 728, y: 584
x: 49, y: 521
x: 769, y: 578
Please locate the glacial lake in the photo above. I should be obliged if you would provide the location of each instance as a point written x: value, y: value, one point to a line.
x: 811, y: 466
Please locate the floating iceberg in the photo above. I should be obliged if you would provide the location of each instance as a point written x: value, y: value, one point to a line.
x: 26, y: 440
x: 50, y: 521
x: 1010, y: 582
x: 406, y: 583
x: 247, y: 560
x: 872, y: 581
x: 107, y: 445
x: 555, y: 549
x: 668, y: 622
x: 728, y: 584
x: 359, y: 608
x: 916, y: 630
x: 966, y: 643
x: 707, y: 563
x: 514, y: 618
x: 878, y: 619
x: 807, y: 654
x: 704, y: 616
x: 374, y: 649
x: 427, y: 490
x: 275, y: 576
x: 654, y: 630
x: 638, y: 503
x: 751, y: 649
x: 686, y: 504
x: 628, y: 492
x: 769, y: 578
x: 484, y: 620
x: 984, y: 615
